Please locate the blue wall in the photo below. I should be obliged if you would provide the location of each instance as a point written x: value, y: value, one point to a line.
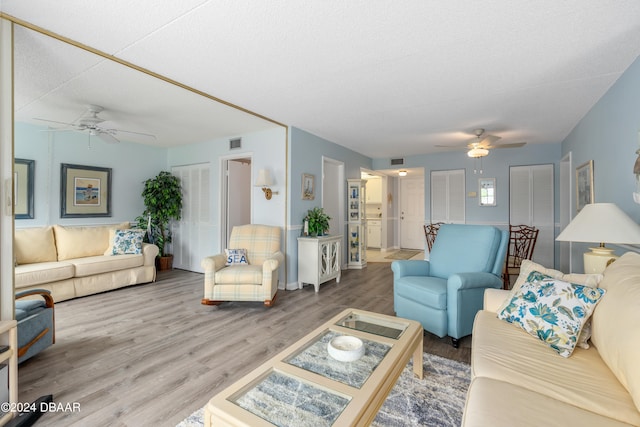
x: 608, y: 135
x: 131, y: 164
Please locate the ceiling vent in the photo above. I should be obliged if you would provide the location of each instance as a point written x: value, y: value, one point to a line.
x: 397, y: 162
x: 235, y: 143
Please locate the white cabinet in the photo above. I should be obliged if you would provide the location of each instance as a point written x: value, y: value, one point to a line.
x: 9, y: 337
x: 374, y: 190
x: 318, y: 260
x: 356, y: 191
x: 374, y: 234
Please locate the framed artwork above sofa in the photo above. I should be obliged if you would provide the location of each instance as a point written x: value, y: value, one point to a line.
x: 85, y: 191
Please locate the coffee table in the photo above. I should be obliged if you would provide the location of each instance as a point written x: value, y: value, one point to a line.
x: 304, y: 386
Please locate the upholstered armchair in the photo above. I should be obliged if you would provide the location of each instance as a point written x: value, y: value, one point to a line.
x: 446, y: 292
x: 254, y: 251
x: 36, y: 323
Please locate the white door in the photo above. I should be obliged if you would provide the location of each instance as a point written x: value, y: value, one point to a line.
x: 194, y: 232
x: 412, y: 213
x: 531, y: 203
x: 448, y: 196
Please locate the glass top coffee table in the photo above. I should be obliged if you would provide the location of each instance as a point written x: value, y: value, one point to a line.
x: 304, y: 386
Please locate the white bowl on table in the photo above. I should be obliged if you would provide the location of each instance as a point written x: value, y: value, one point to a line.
x: 346, y: 348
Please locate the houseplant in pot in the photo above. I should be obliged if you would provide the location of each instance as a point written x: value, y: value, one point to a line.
x: 317, y: 222
x: 162, y: 197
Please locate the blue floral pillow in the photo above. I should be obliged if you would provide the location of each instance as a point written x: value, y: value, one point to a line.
x: 127, y: 242
x: 236, y: 256
x: 552, y: 310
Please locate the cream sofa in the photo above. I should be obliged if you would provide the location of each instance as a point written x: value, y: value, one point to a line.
x: 518, y: 380
x: 73, y: 261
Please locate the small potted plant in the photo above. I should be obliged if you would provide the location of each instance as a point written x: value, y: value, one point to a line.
x: 163, y: 202
x: 317, y: 222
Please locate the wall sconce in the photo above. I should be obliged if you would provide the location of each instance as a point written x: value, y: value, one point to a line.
x: 402, y: 173
x: 264, y: 181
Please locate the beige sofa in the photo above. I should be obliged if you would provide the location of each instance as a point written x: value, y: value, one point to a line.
x: 518, y: 380
x: 76, y: 261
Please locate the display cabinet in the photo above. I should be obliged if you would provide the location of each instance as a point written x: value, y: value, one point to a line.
x: 357, y: 223
x: 318, y: 260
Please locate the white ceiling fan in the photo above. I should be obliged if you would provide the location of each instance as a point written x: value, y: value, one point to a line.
x: 482, y: 143
x: 89, y: 122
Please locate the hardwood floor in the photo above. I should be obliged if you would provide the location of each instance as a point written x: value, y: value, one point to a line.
x: 152, y: 354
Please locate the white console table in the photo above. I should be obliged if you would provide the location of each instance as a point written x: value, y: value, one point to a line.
x: 318, y: 260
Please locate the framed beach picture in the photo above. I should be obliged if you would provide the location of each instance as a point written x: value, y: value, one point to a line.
x: 584, y: 185
x: 85, y: 191
x: 23, y: 185
x: 308, y: 187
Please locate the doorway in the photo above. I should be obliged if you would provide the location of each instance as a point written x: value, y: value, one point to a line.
x: 566, y: 183
x: 235, y: 195
x: 412, y: 213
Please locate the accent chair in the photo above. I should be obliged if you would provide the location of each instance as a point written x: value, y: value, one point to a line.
x: 445, y: 293
x: 252, y: 276
x: 36, y: 323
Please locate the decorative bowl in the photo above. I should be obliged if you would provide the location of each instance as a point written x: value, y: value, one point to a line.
x: 346, y: 348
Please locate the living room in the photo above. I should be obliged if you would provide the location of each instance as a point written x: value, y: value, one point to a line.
x: 606, y: 134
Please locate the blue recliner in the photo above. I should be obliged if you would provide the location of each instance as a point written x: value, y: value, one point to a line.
x: 36, y: 323
x: 446, y: 292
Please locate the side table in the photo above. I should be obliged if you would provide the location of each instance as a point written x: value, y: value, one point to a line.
x: 318, y: 260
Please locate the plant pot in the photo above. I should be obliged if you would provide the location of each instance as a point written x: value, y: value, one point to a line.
x: 164, y: 262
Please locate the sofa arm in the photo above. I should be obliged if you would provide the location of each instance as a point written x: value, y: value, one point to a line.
x: 494, y: 298
x: 213, y: 263
x: 273, y: 262
x: 472, y: 281
x: 410, y: 268
x: 150, y: 252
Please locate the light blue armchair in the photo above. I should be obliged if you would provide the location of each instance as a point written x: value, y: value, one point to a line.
x: 446, y: 292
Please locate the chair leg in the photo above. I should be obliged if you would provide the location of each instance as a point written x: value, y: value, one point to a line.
x: 269, y: 303
x: 455, y: 342
x: 210, y: 302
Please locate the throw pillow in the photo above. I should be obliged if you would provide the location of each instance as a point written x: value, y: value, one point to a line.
x: 127, y: 242
x: 591, y: 280
x: 236, y: 256
x: 552, y: 310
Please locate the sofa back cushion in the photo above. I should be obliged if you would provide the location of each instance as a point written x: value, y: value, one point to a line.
x: 35, y: 245
x: 615, y: 322
x: 259, y: 241
x: 464, y: 248
x: 79, y: 242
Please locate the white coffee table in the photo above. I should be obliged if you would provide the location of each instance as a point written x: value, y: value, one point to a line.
x: 303, y: 385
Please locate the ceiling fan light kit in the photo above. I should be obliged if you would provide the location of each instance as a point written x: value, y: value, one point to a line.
x: 476, y: 152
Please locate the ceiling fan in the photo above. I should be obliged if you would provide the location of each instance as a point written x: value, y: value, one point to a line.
x: 89, y: 122
x: 482, y: 143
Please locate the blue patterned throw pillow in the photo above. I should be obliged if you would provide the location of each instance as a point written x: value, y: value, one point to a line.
x: 127, y: 242
x: 552, y: 310
x: 236, y: 256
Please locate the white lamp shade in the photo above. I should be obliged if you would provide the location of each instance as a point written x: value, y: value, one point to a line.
x: 264, y: 178
x: 601, y: 223
x: 478, y: 152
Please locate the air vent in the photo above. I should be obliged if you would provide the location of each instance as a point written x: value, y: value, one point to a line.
x: 397, y: 162
x: 235, y: 143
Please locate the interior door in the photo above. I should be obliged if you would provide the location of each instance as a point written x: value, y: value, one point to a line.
x: 412, y: 213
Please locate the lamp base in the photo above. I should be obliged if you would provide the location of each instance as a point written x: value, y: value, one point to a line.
x: 598, y: 259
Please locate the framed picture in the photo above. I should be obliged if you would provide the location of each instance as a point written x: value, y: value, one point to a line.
x: 487, y: 188
x: 308, y: 187
x: 85, y: 191
x: 584, y: 185
x: 23, y: 184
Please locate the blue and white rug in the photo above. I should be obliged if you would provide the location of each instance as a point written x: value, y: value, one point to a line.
x: 436, y: 400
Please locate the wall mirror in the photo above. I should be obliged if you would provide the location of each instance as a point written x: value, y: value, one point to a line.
x: 487, y: 191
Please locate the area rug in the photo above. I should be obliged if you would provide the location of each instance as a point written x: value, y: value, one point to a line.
x: 437, y: 400
x: 402, y: 254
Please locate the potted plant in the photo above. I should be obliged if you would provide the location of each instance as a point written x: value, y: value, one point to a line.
x: 162, y: 197
x: 317, y: 222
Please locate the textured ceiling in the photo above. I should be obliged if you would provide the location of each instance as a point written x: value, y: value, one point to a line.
x: 384, y: 78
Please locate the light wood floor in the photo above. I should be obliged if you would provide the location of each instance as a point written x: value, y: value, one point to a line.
x: 150, y: 355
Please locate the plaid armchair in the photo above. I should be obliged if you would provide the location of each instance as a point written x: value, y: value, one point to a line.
x: 255, y: 280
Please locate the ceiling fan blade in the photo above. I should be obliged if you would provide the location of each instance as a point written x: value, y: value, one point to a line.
x: 54, y: 121
x: 512, y: 145
x: 108, y: 138
x: 132, y: 132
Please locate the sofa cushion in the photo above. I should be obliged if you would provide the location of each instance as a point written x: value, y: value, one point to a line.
x: 126, y: 242
x: 501, y: 404
x: 78, y: 242
x: 34, y: 245
x: 509, y: 354
x: 615, y: 322
x: 26, y: 308
x: 430, y: 291
x: 88, y: 266
x: 238, y: 274
x: 42, y: 272
x: 552, y: 310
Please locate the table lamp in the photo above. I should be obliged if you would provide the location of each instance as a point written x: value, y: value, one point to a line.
x: 602, y: 223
